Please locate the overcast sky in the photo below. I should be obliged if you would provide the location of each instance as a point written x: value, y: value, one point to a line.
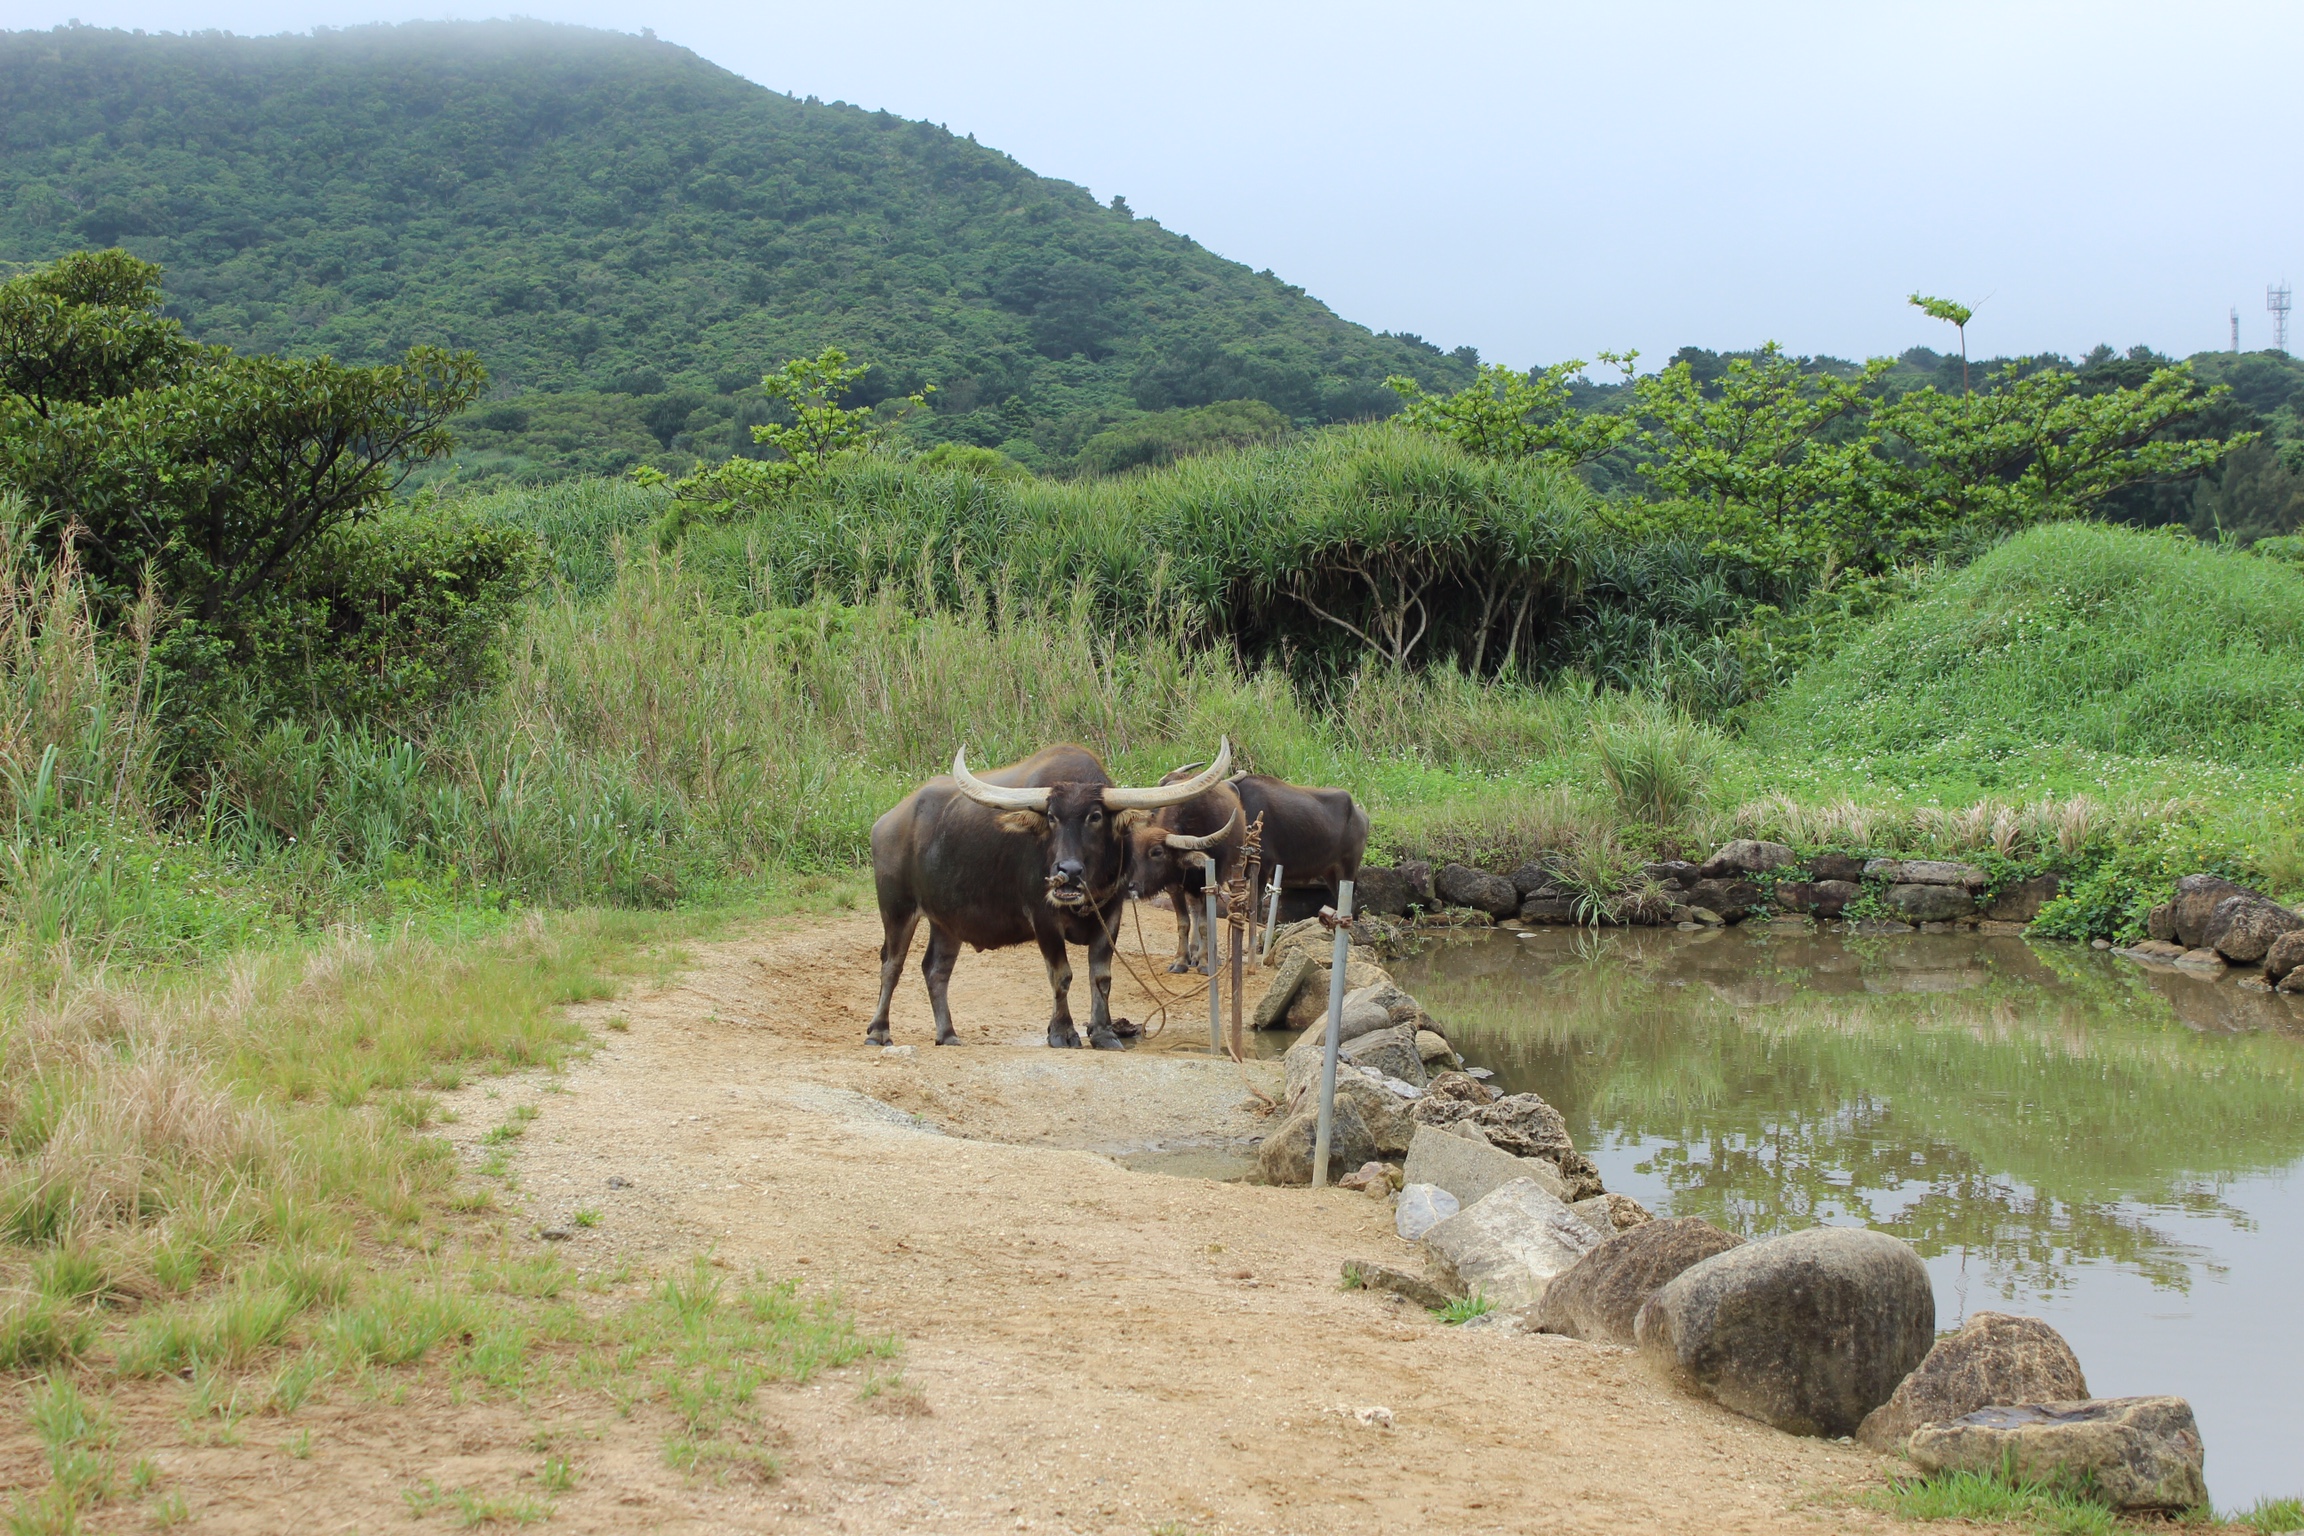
x: 1546, y: 181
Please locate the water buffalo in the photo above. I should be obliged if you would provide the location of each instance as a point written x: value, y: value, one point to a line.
x: 1035, y: 852
x: 1316, y: 836
x: 1165, y: 857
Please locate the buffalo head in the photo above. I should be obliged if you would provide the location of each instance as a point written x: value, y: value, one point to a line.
x: 1087, y: 829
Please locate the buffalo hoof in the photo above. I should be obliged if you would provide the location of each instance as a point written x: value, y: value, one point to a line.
x: 1105, y: 1040
x: 875, y: 1037
x: 951, y: 1039
x: 1067, y: 1039
x: 1181, y: 968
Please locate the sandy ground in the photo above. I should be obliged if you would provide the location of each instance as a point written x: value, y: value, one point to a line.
x: 1099, y: 1349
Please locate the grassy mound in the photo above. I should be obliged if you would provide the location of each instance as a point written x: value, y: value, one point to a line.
x: 2095, y: 639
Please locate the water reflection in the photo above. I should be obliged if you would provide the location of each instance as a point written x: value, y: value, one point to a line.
x: 2035, y: 1108
x: 2116, y: 1149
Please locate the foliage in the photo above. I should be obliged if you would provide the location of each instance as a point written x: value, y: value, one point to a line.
x: 821, y: 432
x: 230, y: 485
x: 1506, y: 414
x: 1657, y: 764
x: 985, y: 463
x: 1463, y: 1309
x: 611, y: 214
x: 1166, y: 436
x: 1954, y: 314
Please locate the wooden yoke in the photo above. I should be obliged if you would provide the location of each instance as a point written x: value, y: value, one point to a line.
x: 1240, y: 908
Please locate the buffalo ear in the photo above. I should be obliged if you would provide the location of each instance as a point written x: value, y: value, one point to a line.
x: 1032, y: 823
x: 1128, y: 821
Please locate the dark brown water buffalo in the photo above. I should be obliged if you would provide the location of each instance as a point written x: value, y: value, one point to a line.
x: 1166, y: 857
x: 1315, y: 836
x: 1036, y: 852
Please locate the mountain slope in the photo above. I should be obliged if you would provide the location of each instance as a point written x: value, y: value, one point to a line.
x: 615, y: 221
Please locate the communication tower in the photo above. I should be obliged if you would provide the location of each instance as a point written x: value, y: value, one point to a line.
x: 2235, y: 327
x: 2276, y: 300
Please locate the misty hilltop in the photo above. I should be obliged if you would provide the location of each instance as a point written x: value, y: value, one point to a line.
x: 629, y: 235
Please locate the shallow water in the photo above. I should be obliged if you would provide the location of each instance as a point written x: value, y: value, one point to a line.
x: 2058, y: 1131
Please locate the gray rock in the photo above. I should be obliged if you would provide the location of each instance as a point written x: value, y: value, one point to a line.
x: 1360, y: 1274
x: 1460, y: 885
x: 2160, y: 923
x: 1534, y: 879
x: 1463, y: 1086
x: 1422, y: 1207
x: 558, y: 1231
x: 1433, y: 1046
x: 1836, y: 866
x: 1550, y: 910
x: 1822, y: 898
x: 1390, y: 1050
x: 1470, y: 1169
x: 1926, y: 872
x: 1521, y: 1124
x: 2202, y: 959
x: 2196, y: 900
x: 1929, y: 903
x: 2133, y: 1452
x: 1286, y: 1154
x: 2021, y: 902
x: 1600, y: 1297
x: 1366, y: 1006
x: 2285, y: 956
x: 1729, y: 899
x: 1418, y: 874
x: 1744, y: 857
x: 1272, y: 1009
x: 1808, y: 1332
x: 1672, y: 872
x: 618, y: 1181
x: 1610, y: 1214
x: 1384, y: 890
x: 2242, y: 928
x: 1508, y: 1245
x: 1994, y: 1359
x: 2292, y: 983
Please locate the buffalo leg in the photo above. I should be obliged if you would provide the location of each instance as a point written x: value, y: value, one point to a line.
x: 943, y: 952
x: 1183, y: 960
x: 1100, y: 1033
x: 896, y: 930
x: 1060, y: 1029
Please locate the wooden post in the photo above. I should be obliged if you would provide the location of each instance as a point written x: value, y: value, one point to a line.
x: 1272, y: 918
x: 1209, y: 952
x: 1341, y: 921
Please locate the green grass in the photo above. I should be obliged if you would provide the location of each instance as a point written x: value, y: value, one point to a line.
x: 1988, y: 1499
x: 1464, y: 1308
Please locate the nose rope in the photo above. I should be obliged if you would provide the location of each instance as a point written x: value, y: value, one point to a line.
x: 1162, y: 995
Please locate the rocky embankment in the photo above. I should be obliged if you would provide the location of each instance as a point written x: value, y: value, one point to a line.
x: 1827, y: 1332
x: 2212, y: 926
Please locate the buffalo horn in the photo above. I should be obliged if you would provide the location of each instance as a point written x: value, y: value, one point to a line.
x: 1183, y: 844
x: 995, y: 795
x: 1119, y: 798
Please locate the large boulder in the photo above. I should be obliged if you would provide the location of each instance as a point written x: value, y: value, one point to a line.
x: 1508, y: 1245
x: 1678, y: 873
x: 1535, y: 878
x: 1422, y: 1207
x: 2022, y: 901
x: 1559, y: 910
x: 1732, y: 899
x: 1371, y: 999
x: 1808, y: 1332
x: 1368, y: 1125
x: 2285, y: 957
x: 1823, y: 898
x: 1836, y: 866
x: 1272, y: 1008
x: 2132, y: 1452
x: 1744, y: 857
x: 1459, y: 1086
x: 1470, y: 1169
x: 1386, y: 890
x: 1460, y: 885
x: 2242, y: 928
x: 1611, y: 1213
x: 1926, y: 872
x: 2196, y: 900
x: 1929, y: 903
x: 1599, y: 1297
x: 2160, y: 924
x: 1521, y: 1124
x: 1391, y: 1051
x: 1995, y: 1359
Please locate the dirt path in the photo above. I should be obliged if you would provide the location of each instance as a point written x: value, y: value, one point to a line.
x: 1098, y: 1349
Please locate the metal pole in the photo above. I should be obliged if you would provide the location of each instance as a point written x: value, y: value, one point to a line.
x: 1272, y: 921
x: 1343, y: 954
x: 1238, y: 925
x: 1209, y: 952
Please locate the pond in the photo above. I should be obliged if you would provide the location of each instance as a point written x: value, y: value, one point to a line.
x: 2058, y: 1131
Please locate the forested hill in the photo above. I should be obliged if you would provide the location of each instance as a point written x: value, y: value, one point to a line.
x: 638, y: 234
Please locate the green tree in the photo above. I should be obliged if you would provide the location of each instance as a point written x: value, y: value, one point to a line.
x: 1507, y: 414
x: 821, y: 431
x: 1953, y: 314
